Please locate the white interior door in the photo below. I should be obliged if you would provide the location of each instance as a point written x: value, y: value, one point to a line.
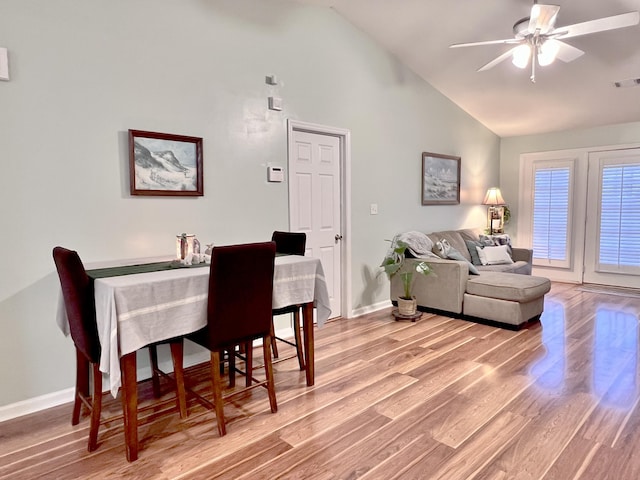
x: 314, y: 203
x: 612, y: 242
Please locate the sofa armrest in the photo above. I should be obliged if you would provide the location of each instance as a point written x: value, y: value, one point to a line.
x: 441, y: 290
x: 522, y: 254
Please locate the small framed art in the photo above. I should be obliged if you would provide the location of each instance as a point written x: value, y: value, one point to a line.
x: 440, y: 179
x: 165, y: 164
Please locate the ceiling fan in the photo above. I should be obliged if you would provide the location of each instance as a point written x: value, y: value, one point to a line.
x: 537, y: 37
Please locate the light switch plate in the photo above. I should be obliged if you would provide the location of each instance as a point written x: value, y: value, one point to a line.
x: 4, y: 64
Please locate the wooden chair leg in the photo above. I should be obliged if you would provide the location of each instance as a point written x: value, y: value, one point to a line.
x: 96, y: 410
x: 272, y: 334
x: 129, y: 394
x: 298, y: 336
x: 177, y: 356
x: 155, y: 378
x: 217, y: 391
x: 82, y: 385
x: 232, y: 366
x: 268, y: 365
x: 248, y: 367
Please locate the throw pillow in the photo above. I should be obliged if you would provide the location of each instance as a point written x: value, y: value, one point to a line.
x: 502, y: 239
x: 471, y: 246
x: 441, y: 248
x: 494, y: 255
x: 444, y: 250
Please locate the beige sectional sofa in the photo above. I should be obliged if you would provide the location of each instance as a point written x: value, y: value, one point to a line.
x: 487, y: 298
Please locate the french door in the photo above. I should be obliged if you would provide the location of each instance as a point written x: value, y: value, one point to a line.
x: 580, y: 212
x: 612, y: 240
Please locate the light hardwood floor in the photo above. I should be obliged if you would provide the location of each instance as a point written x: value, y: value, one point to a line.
x: 439, y: 398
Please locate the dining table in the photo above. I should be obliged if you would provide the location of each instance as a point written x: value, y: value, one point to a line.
x: 143, y: 303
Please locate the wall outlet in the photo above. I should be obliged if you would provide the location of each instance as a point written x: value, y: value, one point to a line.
x: 373, y: 209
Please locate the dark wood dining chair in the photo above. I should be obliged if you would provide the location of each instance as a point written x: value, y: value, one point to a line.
x: 79, y: 302
x: 238, y: 312
x: 289, y: 243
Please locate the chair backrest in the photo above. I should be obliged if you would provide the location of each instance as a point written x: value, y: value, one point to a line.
x: 240, y: 293
x: 291, y: 243
x: 79, y: 302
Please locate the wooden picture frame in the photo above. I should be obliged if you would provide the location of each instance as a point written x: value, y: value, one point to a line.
x: 165, y: 164
x: 440, y: 179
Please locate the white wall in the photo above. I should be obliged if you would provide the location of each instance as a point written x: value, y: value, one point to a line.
x: 511, y: 149
x: 83, y: 73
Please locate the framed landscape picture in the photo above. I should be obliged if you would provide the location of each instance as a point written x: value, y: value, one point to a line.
x: 165, y: 164
x: 440, y: 179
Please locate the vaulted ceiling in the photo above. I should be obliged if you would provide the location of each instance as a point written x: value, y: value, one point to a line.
x: 565, y: 96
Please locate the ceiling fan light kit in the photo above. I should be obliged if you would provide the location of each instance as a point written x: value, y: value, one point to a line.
x: 521, y: 55
x: 537, y: 40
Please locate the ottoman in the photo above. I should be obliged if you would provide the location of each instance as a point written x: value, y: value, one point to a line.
x: 505, y: 298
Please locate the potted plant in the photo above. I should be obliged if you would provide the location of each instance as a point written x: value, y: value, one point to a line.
x: 392, y: 265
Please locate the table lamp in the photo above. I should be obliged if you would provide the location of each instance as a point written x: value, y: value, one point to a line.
x: 495, y: 212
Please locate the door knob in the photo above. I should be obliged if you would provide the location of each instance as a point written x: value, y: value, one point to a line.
x: 338, y: 237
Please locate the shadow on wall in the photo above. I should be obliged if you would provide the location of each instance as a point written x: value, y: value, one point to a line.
x: 374, y: 283
x: 38, y: 358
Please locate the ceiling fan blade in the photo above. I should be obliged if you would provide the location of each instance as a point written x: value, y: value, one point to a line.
x: 567, y: 53
x: 497, y: 60
x: 599, y: 25
x: 488, y: 42
x: 543, y: 18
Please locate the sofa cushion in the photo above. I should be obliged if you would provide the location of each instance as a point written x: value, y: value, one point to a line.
x: 508, y: 286
x: 521, y: 267
x: 494, y: 255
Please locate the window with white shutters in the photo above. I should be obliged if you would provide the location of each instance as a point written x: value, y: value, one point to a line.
x: 551, y: 215
x: 619, y: 240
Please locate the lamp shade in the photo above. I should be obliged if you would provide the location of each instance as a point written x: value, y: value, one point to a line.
x: 493, y: 197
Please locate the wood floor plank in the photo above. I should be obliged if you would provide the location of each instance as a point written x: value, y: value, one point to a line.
x: 574, y: 460
x: 471, y: 457
x: 326, y: 445
x: 300, y: 431
x: 535, y: 450
x: 468, y: 412
x: 438, y: 398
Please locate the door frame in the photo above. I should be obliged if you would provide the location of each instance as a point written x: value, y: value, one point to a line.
x: 344, y: 136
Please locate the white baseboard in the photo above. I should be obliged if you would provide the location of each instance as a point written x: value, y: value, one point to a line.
x: 24, y: 407
x: 371, y: 308
x: 49, y: 400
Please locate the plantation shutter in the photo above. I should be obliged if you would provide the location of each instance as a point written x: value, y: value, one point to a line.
x: 551, y: 214
x: 619, y: 246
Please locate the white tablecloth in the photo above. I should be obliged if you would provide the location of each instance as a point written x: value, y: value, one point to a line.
x: 135, y: 310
